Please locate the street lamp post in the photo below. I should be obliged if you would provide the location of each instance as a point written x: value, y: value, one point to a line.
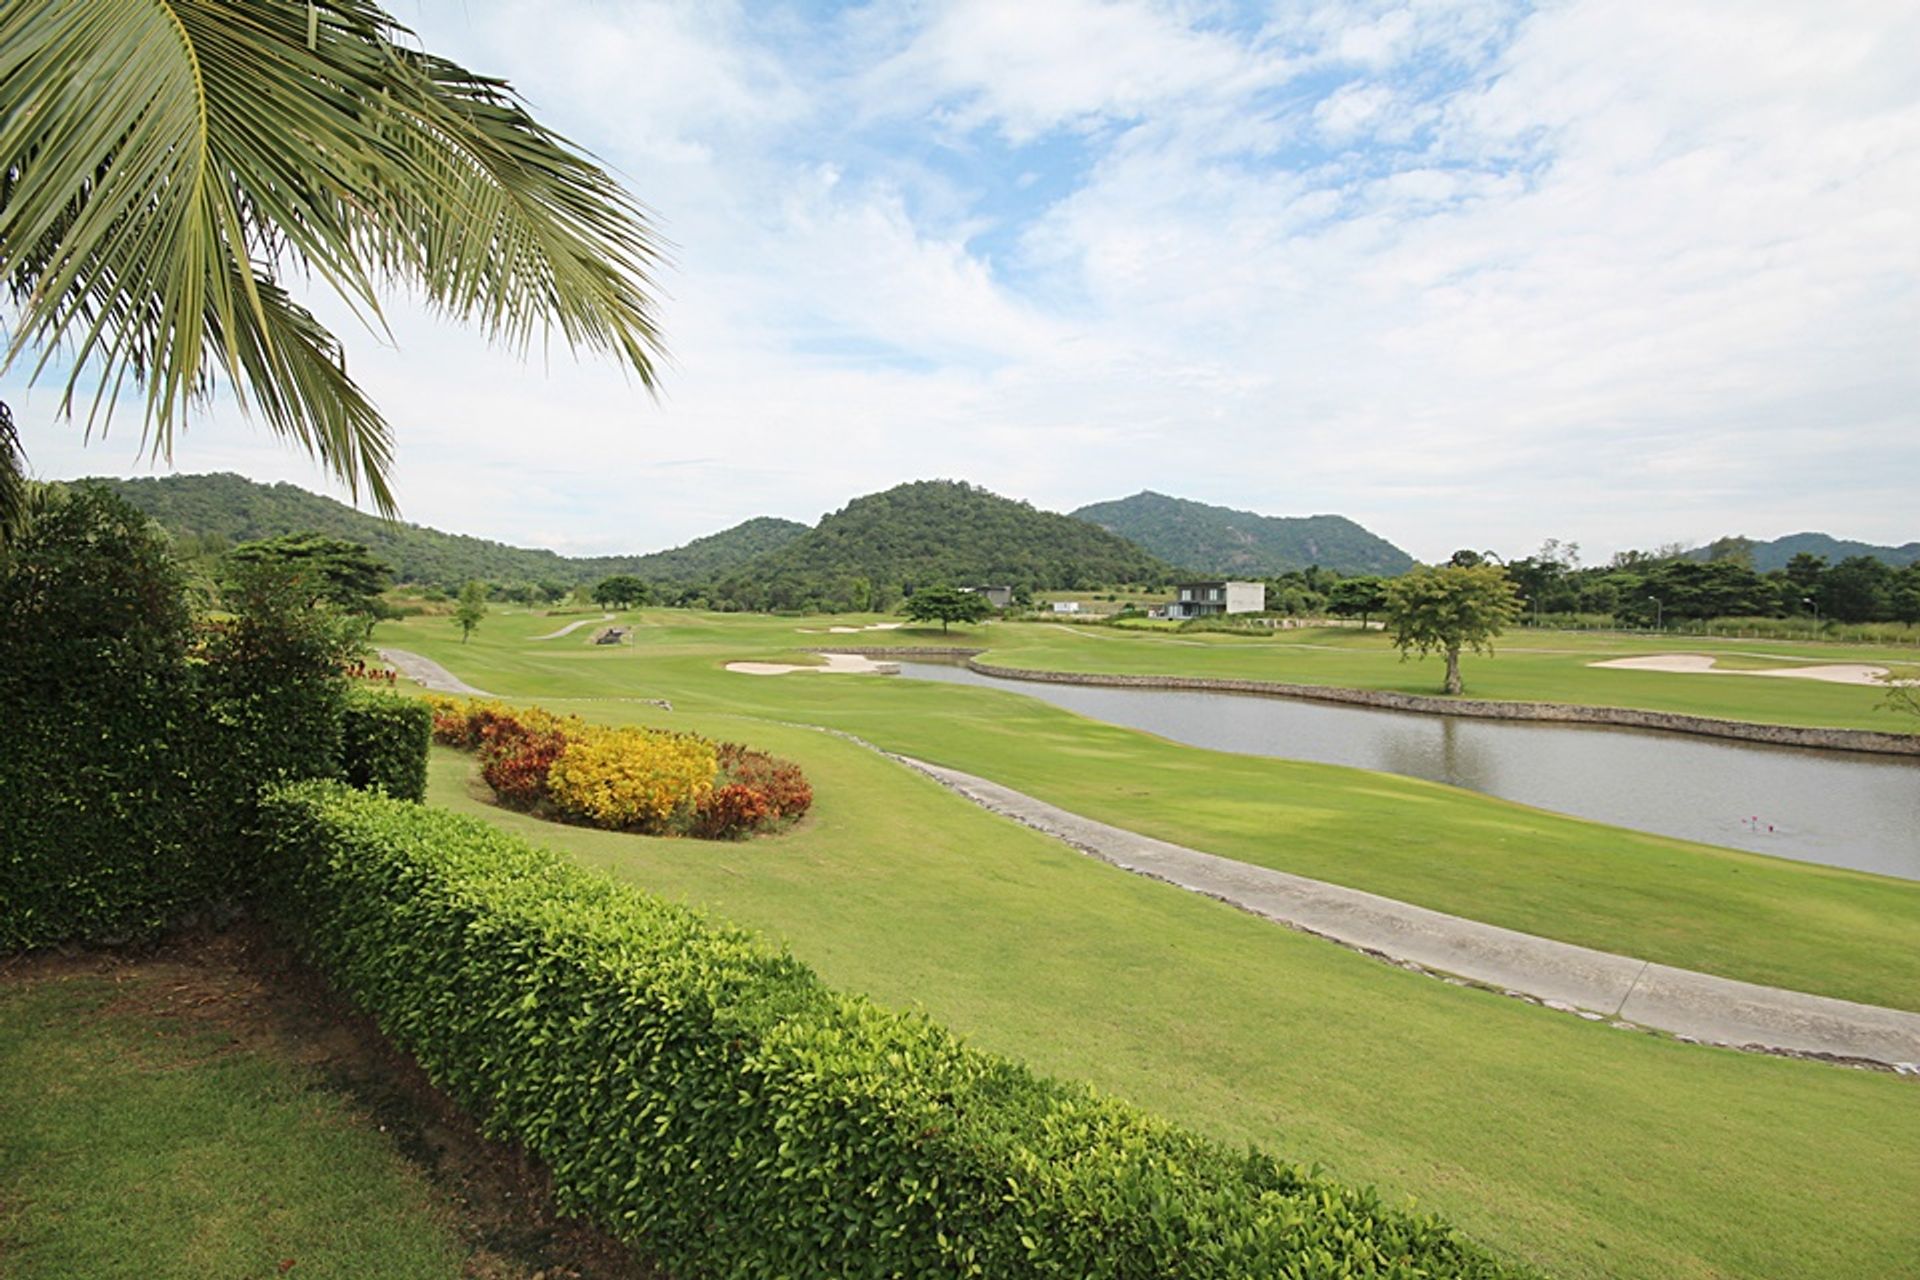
x: 1811, y: 604
x: 1656, y: 611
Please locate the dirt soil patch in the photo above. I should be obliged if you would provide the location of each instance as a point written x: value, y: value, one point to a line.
x: 254, y: 994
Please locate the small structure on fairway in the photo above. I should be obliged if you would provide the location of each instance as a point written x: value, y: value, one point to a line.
x: 612, y: 635
x: 1066, y: 606
x: 1207, y: 599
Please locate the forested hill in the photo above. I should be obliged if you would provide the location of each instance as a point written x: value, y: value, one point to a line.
x: 1768, y: 556
x: 1220, y: 540
x: 936, y: 531
x: 705, y: 559
x: 236, y: 509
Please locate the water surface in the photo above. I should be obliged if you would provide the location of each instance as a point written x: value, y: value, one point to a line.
x: 1841, y: 808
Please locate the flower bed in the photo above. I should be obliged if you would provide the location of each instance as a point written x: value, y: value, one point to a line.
x: 623, y: 779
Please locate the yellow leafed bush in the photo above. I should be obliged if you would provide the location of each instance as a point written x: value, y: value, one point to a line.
x: 630, y: 778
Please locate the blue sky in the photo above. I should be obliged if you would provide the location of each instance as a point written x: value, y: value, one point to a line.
x: 1474, y: 273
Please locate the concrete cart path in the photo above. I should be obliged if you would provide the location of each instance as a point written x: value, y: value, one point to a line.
x: 1597, y: 984
x: 427, y: 672
x: 572, y: 627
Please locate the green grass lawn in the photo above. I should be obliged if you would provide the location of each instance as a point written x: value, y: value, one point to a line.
x: 1548, y: 666
x: 1590, y: 1151
x: 137, y: 1149
x: 1826, y: 930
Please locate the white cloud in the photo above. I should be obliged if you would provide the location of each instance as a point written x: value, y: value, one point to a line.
x: 1618, y: 273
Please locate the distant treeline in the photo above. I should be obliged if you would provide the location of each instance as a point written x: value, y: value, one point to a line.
x: 1674, y: 584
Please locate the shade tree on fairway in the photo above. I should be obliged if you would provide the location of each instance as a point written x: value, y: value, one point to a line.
x: 946, y: 605
x: 621, y: 591
x: 470, y: 608
x: 1445, y: 609
x: 1357, y: 597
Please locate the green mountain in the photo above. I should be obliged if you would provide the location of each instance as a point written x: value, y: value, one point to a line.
x: 1772, y: 555
x: 877, y: 548
x: 236, y: 509
x: 1220, y: 540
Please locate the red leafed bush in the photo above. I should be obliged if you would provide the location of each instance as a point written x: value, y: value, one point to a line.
x: 781, y: 782
x: 730, y: 812
x: 515, y: 763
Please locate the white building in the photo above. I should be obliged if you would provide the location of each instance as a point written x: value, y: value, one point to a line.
x: 1207, y: 599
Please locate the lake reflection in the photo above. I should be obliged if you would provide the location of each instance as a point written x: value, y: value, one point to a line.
x: 1839, y: 808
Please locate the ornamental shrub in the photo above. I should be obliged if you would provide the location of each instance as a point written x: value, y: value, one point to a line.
x: 270, y: 675
x: 631, y: 779
x: 383, y: 743
x: 712, y: 1101
x: 730, y: 812
x: 101, y: 777
x: 779, y: 782
x: 517, y: 753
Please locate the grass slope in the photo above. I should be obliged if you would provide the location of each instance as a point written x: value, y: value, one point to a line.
x: 1825, y: 930
x: 1528, y: 666
x: 157, y: 1151
x: 1589, y: 1151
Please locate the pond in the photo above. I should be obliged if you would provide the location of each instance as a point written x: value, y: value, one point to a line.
x: 1843, y: 809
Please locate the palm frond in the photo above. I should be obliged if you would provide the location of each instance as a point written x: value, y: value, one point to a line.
x: 160, y: 160
x: 14, y: 485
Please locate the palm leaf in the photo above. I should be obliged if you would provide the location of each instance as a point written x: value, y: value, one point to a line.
x: 162, y: 162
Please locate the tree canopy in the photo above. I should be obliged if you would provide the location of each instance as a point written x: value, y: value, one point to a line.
x: 945, y: 605
x: 332, y: 569
x: 470, y: 608
x: 164, y: 162
x: 1445, y: 609
x: 621, y: 591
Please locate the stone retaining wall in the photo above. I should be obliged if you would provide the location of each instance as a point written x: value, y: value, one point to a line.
x: 1903, y: 744
x: 895, y: 650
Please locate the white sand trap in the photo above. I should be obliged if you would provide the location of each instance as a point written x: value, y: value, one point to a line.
x: 850, y: 631
x: 1701, y: 664
x: 572, y: 627
x: 842, y: 664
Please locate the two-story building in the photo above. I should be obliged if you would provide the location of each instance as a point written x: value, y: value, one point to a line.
x: 1206, y: 599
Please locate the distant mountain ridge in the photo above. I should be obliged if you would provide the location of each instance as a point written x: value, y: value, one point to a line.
x: 882, y: 545
x: 1774, y: 554
x: 242, y: 510
x: 1200, y: 538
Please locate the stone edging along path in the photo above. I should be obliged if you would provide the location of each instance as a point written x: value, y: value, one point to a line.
x: 1596, y: 985
x: 1907, y: 744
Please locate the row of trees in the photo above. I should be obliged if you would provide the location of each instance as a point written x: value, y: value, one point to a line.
x: 1645, y: 589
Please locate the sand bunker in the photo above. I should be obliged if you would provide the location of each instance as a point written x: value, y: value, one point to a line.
x: 845, y: 664
x: 850, y: 631
x: 1701, y: 664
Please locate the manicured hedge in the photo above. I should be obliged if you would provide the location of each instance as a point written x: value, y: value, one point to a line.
x: 384, y: 739
x: 101, y: 731
x: 711, y: 1100
x: 133, y: 741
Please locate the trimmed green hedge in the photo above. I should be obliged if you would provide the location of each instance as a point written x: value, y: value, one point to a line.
x: 135, y: 742
x: 101, y: 793
x: 384, y: 740
x: 712, y: 1101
